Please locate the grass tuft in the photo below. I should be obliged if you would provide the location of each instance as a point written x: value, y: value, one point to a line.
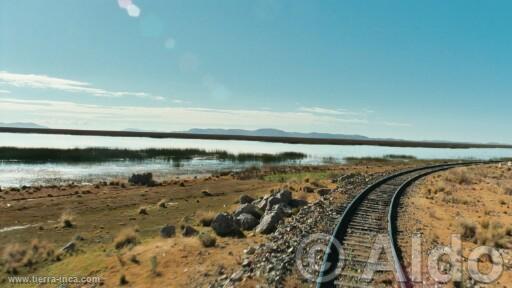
x: 126, y: 238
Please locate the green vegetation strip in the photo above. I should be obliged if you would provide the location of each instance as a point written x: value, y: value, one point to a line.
x: 107, y: 154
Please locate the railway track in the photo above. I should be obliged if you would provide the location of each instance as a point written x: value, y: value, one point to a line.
x: 370, y: 215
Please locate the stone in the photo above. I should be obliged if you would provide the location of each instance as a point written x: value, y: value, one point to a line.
x: 69, y: 247
x: 246, y: 199
x: 237, y: 276
x: 285, y: 195
x: 249, y: 251
x: 270, y: 219
x: 323, y: 191
x: 247, y: 221
x: 248, y: 209
x: 223, y: 224
x: 189, y: 231
x: 168, y: 231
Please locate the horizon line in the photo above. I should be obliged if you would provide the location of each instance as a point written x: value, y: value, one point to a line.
x: 271, y: 139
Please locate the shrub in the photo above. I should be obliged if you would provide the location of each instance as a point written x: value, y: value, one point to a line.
x: 207, y: 240
x: 16, y: 256
x: 206, y: 217
x: 126, y: 238
x: 460, y: 176
x: 468, y: 230
x: 66, y: 219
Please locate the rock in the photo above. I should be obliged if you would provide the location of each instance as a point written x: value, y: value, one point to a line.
x: 273, y: 201
x: 246, y: 263
x: 285, y: 195
x: 248, y: 209
x: 246, y: 199
x: 237, y: 276
x: 250, y: 250
x: 260, y: 204
x: 145, y: 179
x: 168, y: 231
x: 69, y: 248
x: 247, y: 221
x: 223, y: 224
x: 143, y: 211
x: 189, y: 231
x: 323, y: 191
x: 206, y: 193
x: 271, y: 218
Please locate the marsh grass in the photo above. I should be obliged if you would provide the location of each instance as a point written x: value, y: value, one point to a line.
x: 107, y: 154
x: 384, y: 159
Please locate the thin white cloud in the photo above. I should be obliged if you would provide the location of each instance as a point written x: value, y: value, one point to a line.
x: 5, y: 92
x: 320, y: 110
x: 163, y: 118
x: 47, y: 82
x: 397, y: 124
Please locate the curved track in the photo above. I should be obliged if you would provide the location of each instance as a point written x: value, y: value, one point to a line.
x: 370, y: 215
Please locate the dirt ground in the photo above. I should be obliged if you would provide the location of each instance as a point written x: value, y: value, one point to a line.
x: 473, y: 202
x: 98, y: 212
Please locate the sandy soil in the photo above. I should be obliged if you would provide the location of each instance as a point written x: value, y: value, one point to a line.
x: 473, y: 201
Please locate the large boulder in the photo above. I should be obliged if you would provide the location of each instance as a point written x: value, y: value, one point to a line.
x: 260, y: 203
x: 224, y: 225
x: 285, y: 195
x: 246, y: 199
x: 270, y: 219
x: 248, y: 209
x: 281, y: 197
x: 247, y: 221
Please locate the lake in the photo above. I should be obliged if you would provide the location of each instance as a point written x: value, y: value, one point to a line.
x: 18, y: 174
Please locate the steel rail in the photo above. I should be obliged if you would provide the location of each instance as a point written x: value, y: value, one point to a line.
x: 331, y: 256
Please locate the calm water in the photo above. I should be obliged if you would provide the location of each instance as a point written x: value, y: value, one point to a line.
x: 17, y: 174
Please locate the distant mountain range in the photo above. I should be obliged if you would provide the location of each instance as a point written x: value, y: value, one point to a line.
x: 267, y: 132
x: 21, y: 125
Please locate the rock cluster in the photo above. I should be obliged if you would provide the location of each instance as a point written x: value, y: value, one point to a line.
x: 275, y: 259
x: 263, y: 214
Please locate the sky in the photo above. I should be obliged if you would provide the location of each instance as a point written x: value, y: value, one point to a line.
x: 419, y: 70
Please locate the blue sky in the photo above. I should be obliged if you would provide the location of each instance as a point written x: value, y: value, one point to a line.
x: 402, y: 69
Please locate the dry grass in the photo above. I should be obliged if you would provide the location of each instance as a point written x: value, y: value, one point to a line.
x: 126, y: 238
x: 205, y: 218
x: 459, y: 176
x: 15, y: 256
x: 66, y: 219
x: 467, y: 230
x: 489, y: 233
x: 207, y: 240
